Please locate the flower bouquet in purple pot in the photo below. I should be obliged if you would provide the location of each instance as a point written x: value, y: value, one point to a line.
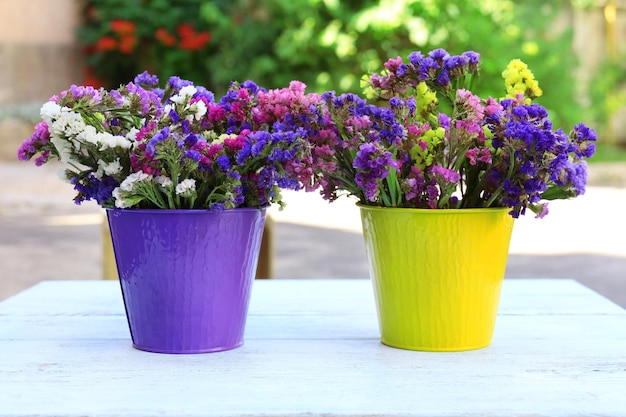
x: 185, y: 179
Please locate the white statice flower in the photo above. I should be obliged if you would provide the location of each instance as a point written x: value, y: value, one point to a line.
x: 63, y: 147
x: 184, y: 95
x: 119, y: 200
x: 69, y: 124
x: 126, y: 187
x: 50, y: 111
x: 164, y: 181
x: 201, y: 109
x: 131, y: 136
x: 127, y: 184
x: 109, y: 168
x: 88, y: 135
x: 104, y: 140
x: 186, y: 188
x: 107, y: 140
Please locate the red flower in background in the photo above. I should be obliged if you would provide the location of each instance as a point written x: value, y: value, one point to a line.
x: 127, y: 44
x: 91, y: 79
x: 123, y: 27
x: 105, y: 44
x: 191, y: 40
x: 166, y: 38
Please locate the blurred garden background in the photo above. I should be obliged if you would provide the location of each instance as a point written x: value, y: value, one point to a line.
x: 575, y: 48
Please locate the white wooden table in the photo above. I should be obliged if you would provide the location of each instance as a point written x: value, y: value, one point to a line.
x: 312, y: 349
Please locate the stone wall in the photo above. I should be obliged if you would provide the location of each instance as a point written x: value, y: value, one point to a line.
x: 38, y: 58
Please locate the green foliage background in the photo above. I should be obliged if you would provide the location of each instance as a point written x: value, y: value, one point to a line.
x: 330, y: 44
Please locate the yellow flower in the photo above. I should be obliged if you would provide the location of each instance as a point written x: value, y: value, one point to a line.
x: 425, y: 157
x: 518, y: 79
x: 425, y: 101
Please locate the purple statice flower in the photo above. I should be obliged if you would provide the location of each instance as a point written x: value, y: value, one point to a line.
x: 455, y: 65
x: 175, y: 117
x: 159, y: 92
x: 528, y: 168
x: 223, y: 162
x: 267, y: 177
x: 191, y: 139
x: 473, y: 60
x: 193, y: 154
x: 147, y: 99
x: 414, y: 184
x: 203, y: 94
x: 411, y: 104
x: 395, y: 102
x: 575, y: 175
x: 145, y: 79
x: 36, y: 143
x: 415, y: 57
x: 512, y: 195
x: 372, y: 164
x: 87, y: 94
x: 584, y: 139
x: 448, y: 175
x: 579, y: 179
x: 328, y: 95
x: 439, y: 55
x: 160, y: 136
x: 426, y: 68
x: 92, y: 188
x: 244, y: 152
x: 250, y: 85
x: 402, y: 70
x: 444, y: 121
x: 176, y: 83
x: 432, y: 194
x: 217, y: 207
x: 533, y: 187
x: 238, y: 196
x: 117, y: 97
x: 259, y: 140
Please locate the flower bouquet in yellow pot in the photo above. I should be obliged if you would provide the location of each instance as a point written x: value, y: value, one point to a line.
x: 440, y: 174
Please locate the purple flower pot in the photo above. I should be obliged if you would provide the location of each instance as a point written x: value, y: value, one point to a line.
x: 186, y: 275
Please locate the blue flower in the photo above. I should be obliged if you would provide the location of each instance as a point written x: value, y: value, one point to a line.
x: 192, y: 154
x: 472, y: 57
x: 158, y: 137
x: 177, y: 83
x: 223, y: 162
x: 250, y: 85
x: 415, y: 57
x: 146, y: 79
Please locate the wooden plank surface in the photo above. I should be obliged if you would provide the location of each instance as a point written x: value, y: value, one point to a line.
x: 312, y: 349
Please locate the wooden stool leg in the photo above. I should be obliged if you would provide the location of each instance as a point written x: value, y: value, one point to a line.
x: 265, y: 268
x: 109, y: 268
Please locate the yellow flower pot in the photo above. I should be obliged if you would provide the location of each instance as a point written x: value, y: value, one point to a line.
x: 437, y: 274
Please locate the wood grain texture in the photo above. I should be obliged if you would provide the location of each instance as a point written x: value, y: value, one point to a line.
x: 312, y: 349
